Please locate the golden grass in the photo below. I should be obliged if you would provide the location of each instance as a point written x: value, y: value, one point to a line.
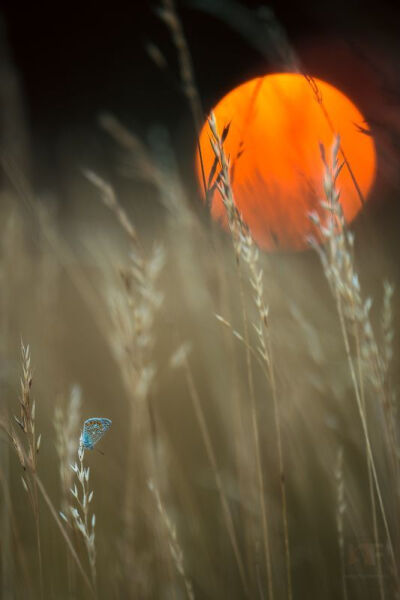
x: 254, y: 450
x: 220, y: 476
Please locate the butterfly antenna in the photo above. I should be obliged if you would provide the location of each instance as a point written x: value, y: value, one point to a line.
x: 100, y: 452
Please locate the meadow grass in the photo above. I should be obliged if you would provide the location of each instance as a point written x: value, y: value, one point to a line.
x: 235, y: 463
x: 254, y: 451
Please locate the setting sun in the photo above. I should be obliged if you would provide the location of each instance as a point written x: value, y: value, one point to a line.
x: 277, y: 123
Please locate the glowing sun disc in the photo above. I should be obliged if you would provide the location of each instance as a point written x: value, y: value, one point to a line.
x: 276, y: 127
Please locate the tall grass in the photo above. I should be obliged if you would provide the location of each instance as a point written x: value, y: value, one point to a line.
x: 230, y: 445
x: 254, y: 450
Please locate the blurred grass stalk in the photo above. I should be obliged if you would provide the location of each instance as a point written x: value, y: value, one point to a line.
x: 14, y: 148
x: 370, y: 366
x: 246, y: 251
x: 134, y: 296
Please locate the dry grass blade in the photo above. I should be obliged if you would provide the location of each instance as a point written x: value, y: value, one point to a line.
x: 28, y: 455
x: 64, y: 534
x: 109, y: 199
x: 247, y: 252
x: 213, y: 462
x: 24, y: 461
x: 83, y: 522
x: 341, y: 507
x: 175, y: 548
x: 366, y: 367
x: 66, y: 424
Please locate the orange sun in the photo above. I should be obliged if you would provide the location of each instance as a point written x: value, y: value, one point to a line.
x: 273, y: 142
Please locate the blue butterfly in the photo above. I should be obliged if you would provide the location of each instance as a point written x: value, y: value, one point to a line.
x: 93, y: 431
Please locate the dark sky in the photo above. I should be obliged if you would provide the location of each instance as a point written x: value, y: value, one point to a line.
x: 75, y: 60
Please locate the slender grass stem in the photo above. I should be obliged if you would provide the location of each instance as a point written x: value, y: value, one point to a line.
x: 256, y: 434
x: 64, y: 534
x: 213, y: 461
x: 366, y: 436
x: 370, y: 478
x: 38, y: 538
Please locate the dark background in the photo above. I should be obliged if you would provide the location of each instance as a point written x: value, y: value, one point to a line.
x: 76, y: 60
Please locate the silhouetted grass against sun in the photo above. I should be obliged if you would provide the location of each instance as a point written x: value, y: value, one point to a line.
x: 193, y: 406
x: 276, y: 126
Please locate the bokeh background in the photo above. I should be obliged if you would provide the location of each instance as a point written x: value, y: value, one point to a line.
x: 62, y: 69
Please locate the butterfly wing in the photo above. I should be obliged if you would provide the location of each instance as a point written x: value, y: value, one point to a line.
x: 93, y: 430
